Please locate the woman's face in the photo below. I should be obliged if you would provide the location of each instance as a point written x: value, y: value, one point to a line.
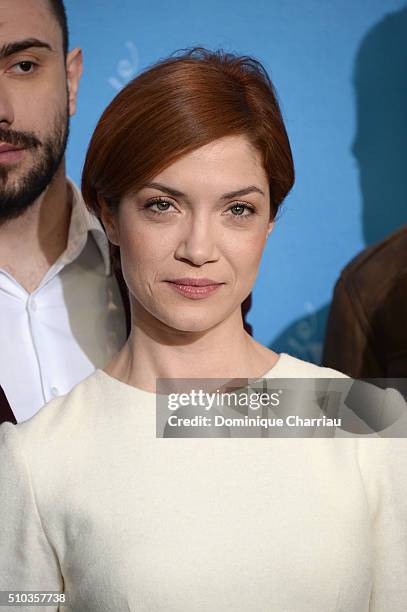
x: 207, y: 216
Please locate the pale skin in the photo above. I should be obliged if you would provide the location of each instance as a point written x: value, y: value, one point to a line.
x: 198, y: 234
x: 28, y: 102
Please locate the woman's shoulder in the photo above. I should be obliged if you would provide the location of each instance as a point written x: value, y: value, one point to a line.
x: 92, y: 403
x: 288, y: 366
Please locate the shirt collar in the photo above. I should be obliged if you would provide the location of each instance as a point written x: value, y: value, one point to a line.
x: 82, y: 223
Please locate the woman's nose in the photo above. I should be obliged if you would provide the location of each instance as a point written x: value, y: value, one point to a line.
x: 198, y: 242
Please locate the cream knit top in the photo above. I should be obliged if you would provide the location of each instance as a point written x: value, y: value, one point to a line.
x: 94, y: 504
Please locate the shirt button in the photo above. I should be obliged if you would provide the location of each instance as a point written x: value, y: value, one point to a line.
x: 55, y: 391
x: 33, y: 305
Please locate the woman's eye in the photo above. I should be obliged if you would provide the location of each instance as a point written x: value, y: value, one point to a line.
x: 162, y: 206
x: 241, y: 210
x: 24, y: 67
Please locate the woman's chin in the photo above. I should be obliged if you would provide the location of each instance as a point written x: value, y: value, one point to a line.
x: 167, y: 316
x: 193, y: 323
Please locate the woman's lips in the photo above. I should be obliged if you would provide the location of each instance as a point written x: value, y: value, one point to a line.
x: 195, y: 292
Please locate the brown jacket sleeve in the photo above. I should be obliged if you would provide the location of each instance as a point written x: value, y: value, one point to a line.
x: 349, y: 344
x: 366, y: 335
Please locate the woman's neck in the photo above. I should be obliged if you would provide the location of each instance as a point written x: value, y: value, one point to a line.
x: 225, y: 351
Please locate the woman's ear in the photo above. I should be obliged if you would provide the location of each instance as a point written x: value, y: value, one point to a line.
x: 270, y: 228
x: 110, y: 222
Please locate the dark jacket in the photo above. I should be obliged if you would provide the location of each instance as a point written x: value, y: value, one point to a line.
x: 366, y: 334
x: 6, y: 413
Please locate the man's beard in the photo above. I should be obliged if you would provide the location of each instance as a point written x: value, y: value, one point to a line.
x: 48, y: 155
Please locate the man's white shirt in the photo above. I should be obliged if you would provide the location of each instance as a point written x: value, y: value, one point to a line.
x: 70, y: 325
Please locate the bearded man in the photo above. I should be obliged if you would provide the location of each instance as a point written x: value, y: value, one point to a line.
x: 61, y: 308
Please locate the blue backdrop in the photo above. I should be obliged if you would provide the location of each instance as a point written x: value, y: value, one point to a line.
x: 340, y: 71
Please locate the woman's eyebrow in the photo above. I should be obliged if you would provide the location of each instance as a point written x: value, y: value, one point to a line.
x: 242, y: 192
x: 225, y: 196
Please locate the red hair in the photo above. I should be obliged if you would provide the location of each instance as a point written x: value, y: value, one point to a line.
x: 176, y: 106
